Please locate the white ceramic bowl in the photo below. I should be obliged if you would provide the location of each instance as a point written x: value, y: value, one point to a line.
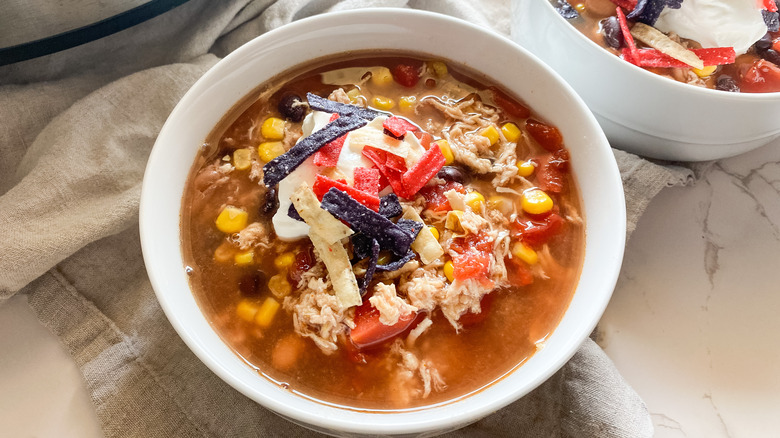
x: 435, y: 35
x: 642, y: 112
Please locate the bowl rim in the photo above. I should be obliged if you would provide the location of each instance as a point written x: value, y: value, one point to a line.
x: 677, y: 87
x: 346, y: 423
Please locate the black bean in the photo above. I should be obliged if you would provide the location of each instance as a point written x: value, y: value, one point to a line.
x: 451, y: 173
x: 727, y: 83
x: 250, y: 284
x: 271, y: 202
x: 770, y: 55
x: 613, y: 36
x: 765, y: 42
x: 292, y: 108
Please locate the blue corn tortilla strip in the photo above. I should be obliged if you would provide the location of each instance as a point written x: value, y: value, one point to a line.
x: 281, y: 166
x: 396, y: 264
x: 361, y: 247
x: 371, y: 269
x: 648, y: 11
x: 772, y: 20
x: 389, y: 206
x: 342, y: 109
x: 293, y: 213
x: 565, y: 10
x: 364, y: 220
x: 411, y: 227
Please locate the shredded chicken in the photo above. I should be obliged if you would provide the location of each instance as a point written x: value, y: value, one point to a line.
x: 319, y: 315
x: 463, y: 296
x: 472, y: 222
x: 425, y: 288
x: 416, y: 332
x: 339, y: 95
x: 254, y: 235
x: 390, y: 306
x: 431, y: 379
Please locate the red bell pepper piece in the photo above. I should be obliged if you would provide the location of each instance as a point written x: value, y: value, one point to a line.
x: 398, y: 126
x: 369, y: 331
x: 426, y: 168
x: 629, y: 53
x: 328, y: 155
x: 367, y: 180
x: 322, y: 184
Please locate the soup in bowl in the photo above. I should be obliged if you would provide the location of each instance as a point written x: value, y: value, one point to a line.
x: 707, y: 92
x: 372, y: 236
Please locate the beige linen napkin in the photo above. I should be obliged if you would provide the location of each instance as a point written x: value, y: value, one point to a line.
x: 77, y: 129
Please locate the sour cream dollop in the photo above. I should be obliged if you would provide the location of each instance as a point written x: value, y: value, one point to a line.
x: 716, y: 23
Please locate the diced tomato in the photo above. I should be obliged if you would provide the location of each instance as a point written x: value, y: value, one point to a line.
x: 509, y: 105
x: 761, y: 77
x: 369, y: 331
x: 518, y: 273
x: 536, y: 232
x: 481, y: 242
x: 304, y: 260
x: 551, y: 170
x: 424, y: 138
x: 548, y: 137
x: 434, y: 195
x: 406, y: 75
x: 473, y: 256
x: 470, y: 319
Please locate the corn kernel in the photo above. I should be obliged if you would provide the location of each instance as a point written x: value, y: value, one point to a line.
x: 232, y: 219
x: 525, y: 253
x: 269, y: 150
x: 536, y: 202
x: 511, y: 131
x: 244, y: 258
x: 284, y: 260
x: 407, y: 104
x: 273, y: 128
x: 224, y: 253
x: 381, y: 76
x: 475, y: 200
x: 500, y: 203
x: 446, y: 150
x: 453, y: 221
x: 267, y: 312
x: 491, y: 133
x: 708, y: 70
x: 449, y: 271
x: 382, y: 103
x: 385, y: 257
x: 434, y: 231
x: 525, y: 168
x: 242, y: 159
x: 354, y: 95
x: 247, y: 310
x: 580, y: 7
x: 439, y: 68
x: 279, y: 285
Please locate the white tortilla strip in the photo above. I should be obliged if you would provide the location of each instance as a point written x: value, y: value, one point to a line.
x: 339, y: 269
x: 425, y: 244
x: 659, y: 41
x: 320, y: 221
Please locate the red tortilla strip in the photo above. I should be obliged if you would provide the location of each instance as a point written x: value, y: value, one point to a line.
x: 710, y: 56
x: 426, y: 168
x: 322, y: 184
x: 328, y: 155
x: 769, y: 5
x: 367, y: 180
x: 628, y: 5
x: 398, y: 126
x: 393, y: 176
x: 629, y: 53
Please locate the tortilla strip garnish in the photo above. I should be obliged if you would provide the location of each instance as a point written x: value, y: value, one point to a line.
x: 321, y: 222
x: 426, y: 245
x: 336, y: 261
x: 657, y: 40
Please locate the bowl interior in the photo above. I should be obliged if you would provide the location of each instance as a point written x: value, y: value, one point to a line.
x: 377, y: 29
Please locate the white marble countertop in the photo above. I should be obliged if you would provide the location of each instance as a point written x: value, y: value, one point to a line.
x: 693, y: 326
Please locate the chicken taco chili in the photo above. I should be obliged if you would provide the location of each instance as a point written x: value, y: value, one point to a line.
x: 383, y: 232
x: 728, y: 45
